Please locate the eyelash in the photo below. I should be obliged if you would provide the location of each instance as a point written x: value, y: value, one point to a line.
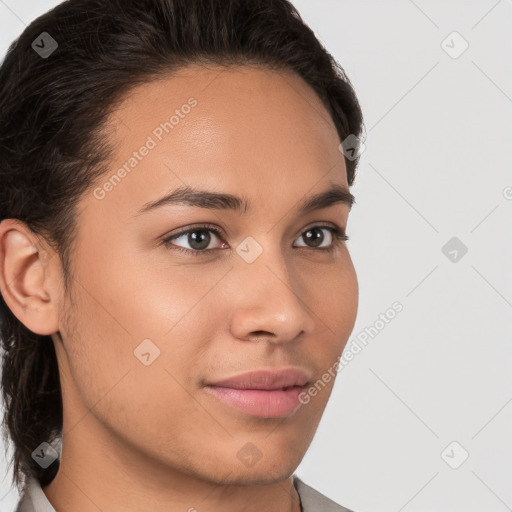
x: 339, y: 238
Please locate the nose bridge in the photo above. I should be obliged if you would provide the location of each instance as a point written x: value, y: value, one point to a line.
x: 269, y: 293
x: 263, y: 259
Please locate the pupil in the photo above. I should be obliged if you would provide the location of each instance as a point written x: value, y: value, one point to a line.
x: 315, y: 239
x: 203, y: 239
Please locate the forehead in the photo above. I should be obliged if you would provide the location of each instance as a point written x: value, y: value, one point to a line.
x: 247, y: 130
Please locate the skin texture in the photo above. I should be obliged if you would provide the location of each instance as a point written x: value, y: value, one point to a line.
x: 140, y: 437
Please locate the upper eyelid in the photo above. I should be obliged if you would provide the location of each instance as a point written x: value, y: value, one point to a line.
x: 218, y: 231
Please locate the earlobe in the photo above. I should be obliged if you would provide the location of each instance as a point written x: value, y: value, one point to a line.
x: 25, y: 278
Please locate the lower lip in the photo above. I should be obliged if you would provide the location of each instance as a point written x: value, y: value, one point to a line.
x: 258, y: 402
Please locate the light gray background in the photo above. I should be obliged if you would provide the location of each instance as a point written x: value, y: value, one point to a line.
x: 437, y: 165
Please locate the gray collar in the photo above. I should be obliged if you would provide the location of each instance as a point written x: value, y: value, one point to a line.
x: 313, y: 501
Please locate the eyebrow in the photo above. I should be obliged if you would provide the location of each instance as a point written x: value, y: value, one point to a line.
x: 189, y: 196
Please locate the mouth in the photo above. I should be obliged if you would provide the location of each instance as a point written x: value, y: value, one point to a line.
x: 273, y: 403
x: 264, y: 393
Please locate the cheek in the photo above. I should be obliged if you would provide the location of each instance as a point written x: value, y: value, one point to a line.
x: 107, y: 324
x: 140, y: 294
x: 347, y: 300
x: 333, y: 300
x: 333, y: 297
x: 140, y: 307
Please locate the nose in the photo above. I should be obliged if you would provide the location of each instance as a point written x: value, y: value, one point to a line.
x: 271, y: 301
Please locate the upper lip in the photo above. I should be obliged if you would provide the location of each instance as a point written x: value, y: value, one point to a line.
x: 267, y: 379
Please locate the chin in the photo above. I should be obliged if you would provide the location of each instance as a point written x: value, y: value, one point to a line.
x: 264, y: 475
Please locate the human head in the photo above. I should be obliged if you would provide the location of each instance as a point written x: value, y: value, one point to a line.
x: 56, y: 141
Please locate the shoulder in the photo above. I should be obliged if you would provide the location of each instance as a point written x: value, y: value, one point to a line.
x: 314, y: 501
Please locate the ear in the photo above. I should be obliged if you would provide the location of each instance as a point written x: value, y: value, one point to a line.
x: 29, y: 280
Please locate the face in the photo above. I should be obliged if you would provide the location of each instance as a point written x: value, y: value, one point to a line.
x: 171, y: 299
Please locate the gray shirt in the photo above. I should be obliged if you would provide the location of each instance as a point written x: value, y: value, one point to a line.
x: 33, y: 499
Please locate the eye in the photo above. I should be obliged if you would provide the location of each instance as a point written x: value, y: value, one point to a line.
x: 315, y: 236
x: 199, y: 239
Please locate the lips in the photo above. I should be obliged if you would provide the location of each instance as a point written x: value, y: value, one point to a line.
x: 263, y: 393
x: 265, y: 379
